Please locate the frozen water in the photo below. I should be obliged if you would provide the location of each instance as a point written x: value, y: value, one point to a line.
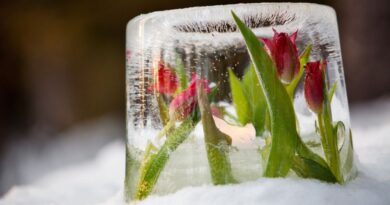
x: 100, y: 181
x: 188, y: 165
x: 206, y: 41
x: 214, y: 25
x: 207, y: 37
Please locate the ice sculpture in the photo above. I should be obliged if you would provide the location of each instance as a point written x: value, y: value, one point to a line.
x: 217, y: 98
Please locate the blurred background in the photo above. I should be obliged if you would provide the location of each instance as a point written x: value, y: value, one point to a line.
x: 62, y: 74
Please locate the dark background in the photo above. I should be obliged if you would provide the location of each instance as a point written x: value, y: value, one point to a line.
x: 62, y: 64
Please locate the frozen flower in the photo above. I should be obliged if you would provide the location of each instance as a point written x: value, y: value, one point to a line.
x: 283, y: 50
x: 166, y: 81
x: 314, y: 85
x: 184, y: 103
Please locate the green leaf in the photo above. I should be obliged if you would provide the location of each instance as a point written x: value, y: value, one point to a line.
x: 154, y: 163
x: 256, y: 99
x: 239, y: 99
x: 307, y: 164
x: 332, y: 91
x: 163, y: 109
x: 217, y: 143
x: 313, y: 143
x: 348, y: 168
x: 303, y: 60
x: 181, y: 72
x: 282, y: 116
x: 266, y: 149
x: 308, y: 168
x: 249, y: 99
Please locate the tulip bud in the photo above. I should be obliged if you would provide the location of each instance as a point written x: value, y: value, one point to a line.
x: 166, y: 81
x: 284, y: 53
x: 314, y: 85
x: 184, y: 103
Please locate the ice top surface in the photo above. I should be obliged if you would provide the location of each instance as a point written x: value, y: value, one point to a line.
x: 214, y: 25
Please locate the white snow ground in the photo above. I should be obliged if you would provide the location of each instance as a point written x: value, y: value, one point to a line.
x: 99, y: 181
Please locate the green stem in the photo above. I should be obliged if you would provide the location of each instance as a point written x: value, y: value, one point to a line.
x: 165, y: 129
x: 162, y: 106
x: 329, y: 141
x: 328, y: 135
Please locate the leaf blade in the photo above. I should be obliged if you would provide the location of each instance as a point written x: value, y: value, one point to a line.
x: 216, y: 142
x: 283, y: 125
x: 332, y: 91
x: 256, y: 100
x: 239, y: 99
x: 153, y: 164
x: 348, y: 168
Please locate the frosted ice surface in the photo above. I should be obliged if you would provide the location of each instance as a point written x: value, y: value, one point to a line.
x: 214, y: 25
x: 100, y: 181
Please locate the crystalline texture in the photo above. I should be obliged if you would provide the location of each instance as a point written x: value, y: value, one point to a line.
x: 206, y: 40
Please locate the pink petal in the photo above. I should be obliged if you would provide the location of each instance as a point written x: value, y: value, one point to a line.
x: 293, y: 36
x: 275, y: 32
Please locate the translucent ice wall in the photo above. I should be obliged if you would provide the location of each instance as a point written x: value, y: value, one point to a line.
x: 197, y: 32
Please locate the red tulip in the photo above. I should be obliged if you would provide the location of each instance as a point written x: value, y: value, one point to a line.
x: 184, y: 103
x: 283, y: 50
x: 166, y: 81
x: 314, y: 85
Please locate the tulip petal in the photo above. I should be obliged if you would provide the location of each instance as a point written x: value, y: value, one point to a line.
x: 184, y: 103
x: 275, y: 32
x: 269, y: 44
x: 314, y: 86
x: 284, y: 53
x: 293, y: 36
x: 166, y: 81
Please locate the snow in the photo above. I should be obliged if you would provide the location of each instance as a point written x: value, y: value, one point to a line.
x: 99, y: 181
